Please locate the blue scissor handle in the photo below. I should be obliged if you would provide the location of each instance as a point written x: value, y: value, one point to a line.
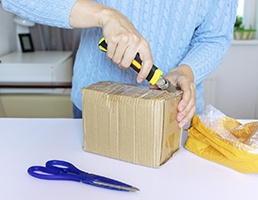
x: 65, y: 167
x: 56, y: 170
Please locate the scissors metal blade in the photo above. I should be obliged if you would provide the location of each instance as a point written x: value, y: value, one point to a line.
x: 117, y: 187
x: 108, y: 183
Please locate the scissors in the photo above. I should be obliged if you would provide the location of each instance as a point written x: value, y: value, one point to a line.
x: 62, y: 170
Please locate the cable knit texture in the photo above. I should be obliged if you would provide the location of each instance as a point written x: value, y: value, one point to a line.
x: 193, y: 32
x: 52, y: 13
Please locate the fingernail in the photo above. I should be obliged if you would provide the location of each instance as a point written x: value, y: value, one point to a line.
x: 139, y: 80
x: 181, y: 125
x: 179, y: 118
x: 117, y: 61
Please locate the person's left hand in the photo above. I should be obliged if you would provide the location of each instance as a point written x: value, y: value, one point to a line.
x: 182, y: 77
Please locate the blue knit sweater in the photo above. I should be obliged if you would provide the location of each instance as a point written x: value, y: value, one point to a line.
x: 193, y: 32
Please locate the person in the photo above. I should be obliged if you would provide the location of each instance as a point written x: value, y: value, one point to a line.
x: 186, y: 39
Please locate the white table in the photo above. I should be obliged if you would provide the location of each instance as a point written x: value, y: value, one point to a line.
x: 27, y: 142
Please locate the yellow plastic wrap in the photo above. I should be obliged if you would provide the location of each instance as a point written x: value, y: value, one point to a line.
x: 224, y: 140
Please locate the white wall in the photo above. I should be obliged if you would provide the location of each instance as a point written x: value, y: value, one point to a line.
x: 7, y: 32
x: 233, y: 88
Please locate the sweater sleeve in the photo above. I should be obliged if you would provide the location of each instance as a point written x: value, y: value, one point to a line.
x: 47, y: 12
x: 211, y: 39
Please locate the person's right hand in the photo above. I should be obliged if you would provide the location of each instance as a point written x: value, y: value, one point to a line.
x: 122, y: 38
x: 124, y: 41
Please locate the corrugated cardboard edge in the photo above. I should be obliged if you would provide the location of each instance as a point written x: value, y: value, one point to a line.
x: 172, y: 134
x: 173, y: 153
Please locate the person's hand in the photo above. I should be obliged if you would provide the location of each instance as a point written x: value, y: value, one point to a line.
x: 182, y: 77
x: 123, y: 40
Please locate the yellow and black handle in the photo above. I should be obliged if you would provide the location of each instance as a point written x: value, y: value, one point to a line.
x: 155, y: 73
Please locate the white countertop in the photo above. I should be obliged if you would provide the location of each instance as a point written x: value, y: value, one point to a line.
x: 35, y: 68
x: 38, y: 58
x: 27, y: 142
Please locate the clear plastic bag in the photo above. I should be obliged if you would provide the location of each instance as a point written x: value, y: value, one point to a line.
x: 216, y: 137
x: 242, y: 136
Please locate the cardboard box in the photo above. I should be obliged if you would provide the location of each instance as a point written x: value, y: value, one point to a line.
x: 130, y: 123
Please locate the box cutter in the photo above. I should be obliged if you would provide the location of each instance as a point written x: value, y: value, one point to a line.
x: 154, y: 77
